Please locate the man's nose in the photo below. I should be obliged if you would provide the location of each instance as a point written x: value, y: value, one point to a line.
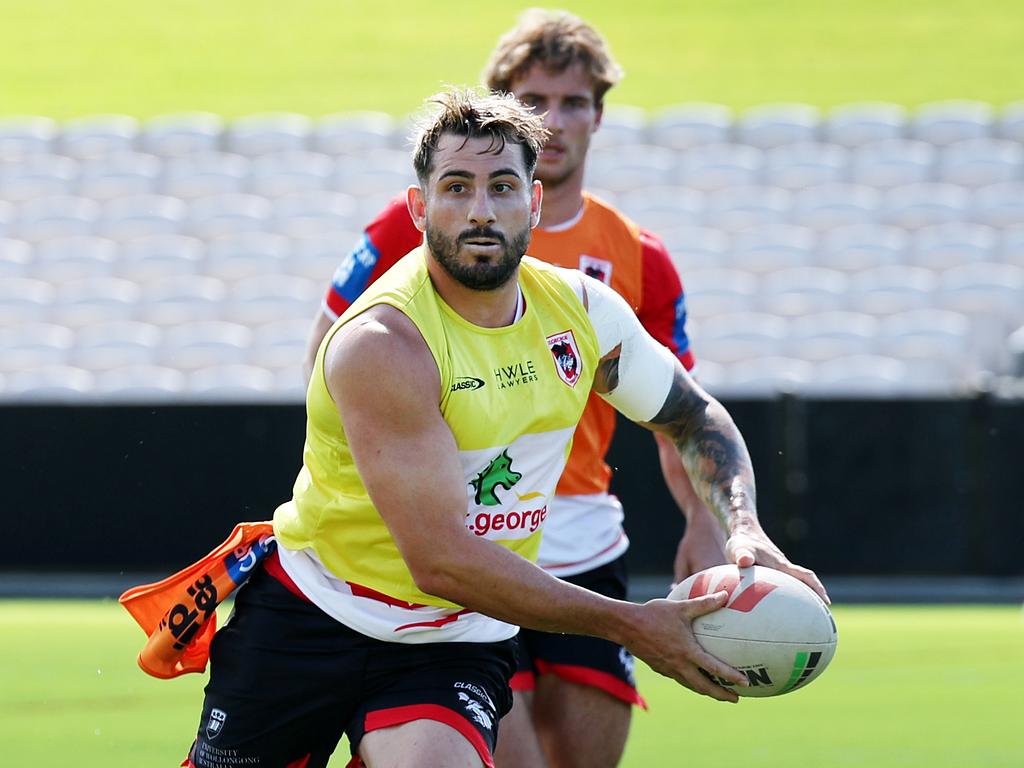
x: 553, y: 119
x: 482, y: 211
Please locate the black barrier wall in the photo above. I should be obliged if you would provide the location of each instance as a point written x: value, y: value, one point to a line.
x: 876, y: 487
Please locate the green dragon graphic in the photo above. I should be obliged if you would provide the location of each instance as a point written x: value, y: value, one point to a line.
x: 498, y: 473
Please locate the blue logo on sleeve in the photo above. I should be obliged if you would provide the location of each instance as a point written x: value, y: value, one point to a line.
x: 353, y: 274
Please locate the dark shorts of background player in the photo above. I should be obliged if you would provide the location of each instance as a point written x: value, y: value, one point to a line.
x: 286, y: 680
x: 577, y: 658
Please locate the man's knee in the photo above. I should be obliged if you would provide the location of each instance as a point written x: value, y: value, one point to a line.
x: 426, y: 743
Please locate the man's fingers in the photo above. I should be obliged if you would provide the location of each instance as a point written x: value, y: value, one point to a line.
x: 743, y: 557
x: 811, y: 579
x: 698, y: 606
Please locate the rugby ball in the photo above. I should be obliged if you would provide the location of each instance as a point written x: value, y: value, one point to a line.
x: 774, y: 628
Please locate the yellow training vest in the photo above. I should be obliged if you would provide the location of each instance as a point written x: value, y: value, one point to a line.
x: 512, y: 397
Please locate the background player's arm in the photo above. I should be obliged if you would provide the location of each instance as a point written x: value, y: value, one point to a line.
x: 386, y: 384
x: 321, y: 325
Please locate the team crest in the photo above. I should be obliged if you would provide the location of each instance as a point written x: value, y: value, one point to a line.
x: 216, y: 723
x: 599, y: 269
x: 567, y: 357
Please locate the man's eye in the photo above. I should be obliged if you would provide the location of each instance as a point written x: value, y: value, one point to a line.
x: 502, y: 186
x: 456, y: 187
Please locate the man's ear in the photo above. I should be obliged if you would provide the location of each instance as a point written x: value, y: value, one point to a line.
x: 598, y: 114
x: 536, y: 196
x: 417, y: 205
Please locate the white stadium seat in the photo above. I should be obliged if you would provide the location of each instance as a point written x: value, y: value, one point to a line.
x: 6, y: 218
x: 181, y: 299
x: 119, y: 174
x: 889, y: 289
x: 795, y: 166
x: 771, y: 125
x: 621, y: 125
x: 134, y: 216
x: 1011, y: 245
x: 95, y: 300
x: 97, y: 135
x: 261, y: 134
x: 826, y: 206
x: 50, y: 217
x: 827, y: 335
x: 893, y: 163
x: 353, y: 133
x: 739, y: 208
x: 15, y: 258
x: 183, y: 133
x: 998, y: 205
x: 118, y: 344
x: 984, y: 288
x: 25, y: 135
x: 852, y: 125
x: 658, y: 207
x: 711, y: 292
x: 228, y: 214
x: 771, y: 247
x: 945, y: 122
x: 231, y: 383
x: 633, y: 167
x: 936, y: 335
x: 317, y: 256
x: 280, y: 345
x: 313, y: 213
x: 956, y: 242
x: 204, y: 174
x: 201, y: 344
x: 286, y: 173
x: 265, y: 299
x: 34, y: 345
x: 70, y: 258
x: 141, y: 383
x: 24, y: 299
x: 695, y: 247
x: 858, y: 376
x: 684, y: 126
x: 290, y: 385
x: 802, y: 290
x: 766, y: 376
x: 862, y: 246
x: 1011, y: 122
x: 920, y: 205
x: 711, y: 167
x: 727, y: 339
x: 232, y: 257
x: 156, y: 257
x: 979, y: 162
x: 38, y: 175
x: 54, y: 383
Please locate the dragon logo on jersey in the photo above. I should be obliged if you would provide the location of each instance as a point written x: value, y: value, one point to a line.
x: 567, y: 357
x: 476, y: 710
x: 497, y: 474
x: 599, y: 269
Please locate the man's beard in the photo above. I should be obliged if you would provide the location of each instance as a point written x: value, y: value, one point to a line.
x: 478, y: 276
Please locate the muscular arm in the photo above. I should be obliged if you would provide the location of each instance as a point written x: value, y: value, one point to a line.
x: 408, y: 460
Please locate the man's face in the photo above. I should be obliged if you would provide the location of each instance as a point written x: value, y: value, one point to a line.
x: 572, y: 116
x: 477, y: 210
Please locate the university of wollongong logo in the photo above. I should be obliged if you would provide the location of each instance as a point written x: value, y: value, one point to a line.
x: 567, y: 357
x: 497, y: 474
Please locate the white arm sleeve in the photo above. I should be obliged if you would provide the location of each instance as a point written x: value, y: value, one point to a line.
x: 646, y: 368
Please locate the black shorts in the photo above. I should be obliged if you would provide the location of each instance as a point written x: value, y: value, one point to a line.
x: 578, y: 658
x: 286, y: 680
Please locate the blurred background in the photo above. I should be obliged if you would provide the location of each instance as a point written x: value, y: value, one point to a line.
x: 841, y: 187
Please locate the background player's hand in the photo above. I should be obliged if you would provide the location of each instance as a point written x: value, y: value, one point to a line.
x: 702, y: 546
x: 749, y: 545
x: 663, y: 638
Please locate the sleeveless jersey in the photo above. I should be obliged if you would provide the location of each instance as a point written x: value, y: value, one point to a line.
x: 585, y: 528
x: 512, y: 397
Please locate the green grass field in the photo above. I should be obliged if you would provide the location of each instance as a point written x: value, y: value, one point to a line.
x: 66, y: 58
x: 910, y: 687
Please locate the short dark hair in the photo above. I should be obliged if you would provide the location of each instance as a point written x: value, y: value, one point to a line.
x: 555, y: 41
x: 473, y: 114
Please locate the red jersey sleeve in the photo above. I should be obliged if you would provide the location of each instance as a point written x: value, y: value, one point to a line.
x: 385, y: 240
x: 663, y: 308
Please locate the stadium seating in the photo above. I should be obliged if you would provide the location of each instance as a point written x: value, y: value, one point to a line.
x: 870, y: 248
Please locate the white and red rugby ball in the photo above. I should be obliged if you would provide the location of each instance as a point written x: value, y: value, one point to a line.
x: 774, y: 628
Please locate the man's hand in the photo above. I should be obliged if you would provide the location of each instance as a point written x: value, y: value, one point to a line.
x: 663, y: 638
x: 702, y: 546
x: 749, y: 545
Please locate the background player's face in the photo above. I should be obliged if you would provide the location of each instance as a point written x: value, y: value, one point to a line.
x: 479, y: 208
x: 572, y: 116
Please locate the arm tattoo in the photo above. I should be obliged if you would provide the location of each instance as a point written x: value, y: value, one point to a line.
x: 711, y: 447
x: 607, y: 377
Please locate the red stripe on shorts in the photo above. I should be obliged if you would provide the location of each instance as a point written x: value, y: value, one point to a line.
x: 523, y: 681
x: 610, y: 684
x: 386, y: 718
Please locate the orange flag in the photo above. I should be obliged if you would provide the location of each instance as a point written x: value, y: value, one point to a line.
x: 179, y: 613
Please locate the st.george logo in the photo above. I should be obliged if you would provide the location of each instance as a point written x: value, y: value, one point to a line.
x: 497, y: 474
x: 567, y: 357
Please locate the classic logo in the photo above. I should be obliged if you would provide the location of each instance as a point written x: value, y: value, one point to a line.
x: 599, y: 269
x: 567, y: 357
x: 497, y: 474
x: 466, y: 382
x: 216, y: 723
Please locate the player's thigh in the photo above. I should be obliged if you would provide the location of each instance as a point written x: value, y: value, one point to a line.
x: 421, y: 743
x: 579, y: 725
x: 517, y: 738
